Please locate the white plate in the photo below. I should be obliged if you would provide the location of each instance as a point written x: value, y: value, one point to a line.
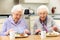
x: 52, y: 34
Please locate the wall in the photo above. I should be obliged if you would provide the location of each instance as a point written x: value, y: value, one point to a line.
x: 6, y: 5
x: 32, y: 6
x: 55, y: 3
x: 52, y: 3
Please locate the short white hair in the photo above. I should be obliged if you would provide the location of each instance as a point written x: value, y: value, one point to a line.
x: 17, y: 8
x: 42, y: 7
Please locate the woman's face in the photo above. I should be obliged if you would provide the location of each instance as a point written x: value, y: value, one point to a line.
x: 16, y: 16
x: 42, y: 14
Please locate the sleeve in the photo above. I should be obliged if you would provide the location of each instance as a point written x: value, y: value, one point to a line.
x: 4, y: 29
x: 55, y: 25
x: 34, y: 27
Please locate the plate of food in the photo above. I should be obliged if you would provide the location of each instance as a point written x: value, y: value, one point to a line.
x: 53, y: 34
x: 21, y: 35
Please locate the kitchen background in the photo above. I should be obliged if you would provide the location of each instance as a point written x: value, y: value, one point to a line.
x: 32, y: 5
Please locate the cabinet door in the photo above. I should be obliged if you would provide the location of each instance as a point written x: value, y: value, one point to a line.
x: 36, y: 1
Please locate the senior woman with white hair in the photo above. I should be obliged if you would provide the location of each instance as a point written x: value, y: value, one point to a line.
x: 44, y: 22
x: 15, y: 22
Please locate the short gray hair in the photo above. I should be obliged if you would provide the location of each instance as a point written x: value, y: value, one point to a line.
x: 17, y: 8
x: 42, y: 7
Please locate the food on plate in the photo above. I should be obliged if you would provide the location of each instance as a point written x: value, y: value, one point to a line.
x: 21, y: 35
x: 52, y: 34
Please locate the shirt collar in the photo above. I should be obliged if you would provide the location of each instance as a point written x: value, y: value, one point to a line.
x: 45, y: 21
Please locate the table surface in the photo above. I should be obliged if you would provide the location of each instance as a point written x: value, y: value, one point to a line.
x: 31, y: 37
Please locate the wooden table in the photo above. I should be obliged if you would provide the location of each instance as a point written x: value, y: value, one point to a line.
x: 31, y: 37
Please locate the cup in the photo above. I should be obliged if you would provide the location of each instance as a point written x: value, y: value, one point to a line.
x: 12, y: 35
x: 43, y: 34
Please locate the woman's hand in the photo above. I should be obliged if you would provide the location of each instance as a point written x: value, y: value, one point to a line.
x: 26, y: 31
x: 8, y: 32
x: 38, y: 30
x: 55, y: 28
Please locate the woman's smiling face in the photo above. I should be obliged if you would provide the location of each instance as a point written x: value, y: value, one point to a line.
x: 16, y: 15
x: 42, y: 14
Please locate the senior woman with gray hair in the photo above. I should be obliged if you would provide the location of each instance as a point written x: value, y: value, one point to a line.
x: 44, y: 22
x: 15, y: 22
